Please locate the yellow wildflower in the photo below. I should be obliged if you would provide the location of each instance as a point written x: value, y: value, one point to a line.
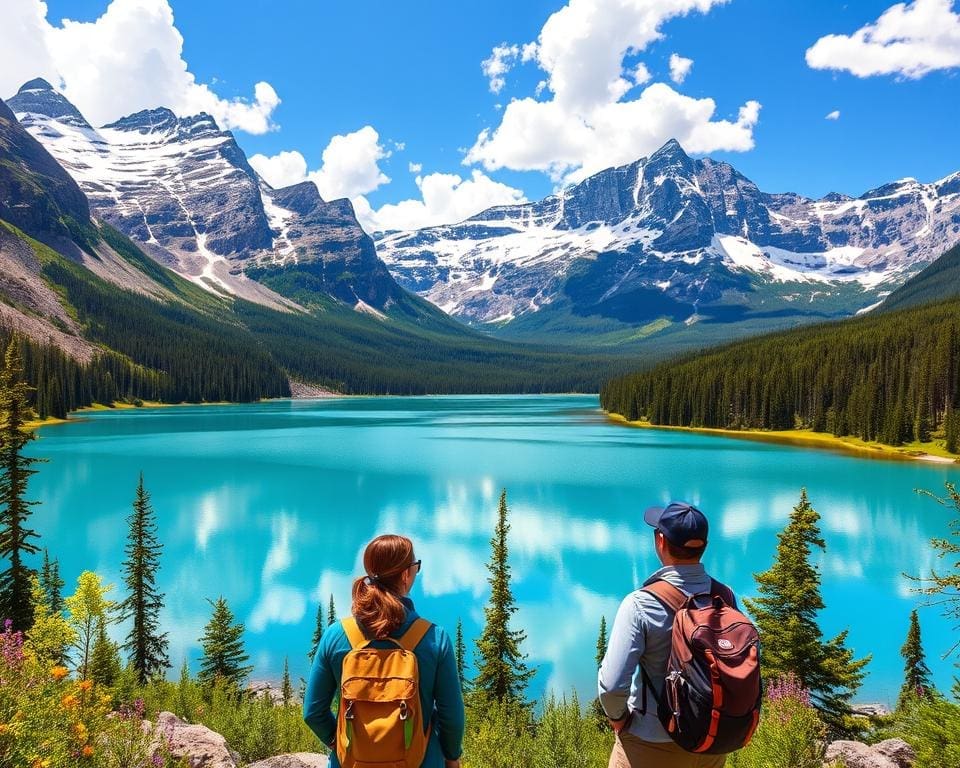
x: 86, y: 685
x: 87, y: 751
x: 58, y: 673
x: 69, y: 701
x: 80, y: 731
x: 5, y: 729
x: 40, y: 763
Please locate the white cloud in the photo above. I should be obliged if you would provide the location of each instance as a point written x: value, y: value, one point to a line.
x: 130, y: 58
x: 544, y: 136
x: 415, y: 167
x: 835, y: 115
x: 282, y: 169
x: 350, y: 166
x: 679, y: 68
x: 586, y: 126
x: 641, y: 74
x: 909, y: 40
x: 445, y: 198
x: 501, y: 61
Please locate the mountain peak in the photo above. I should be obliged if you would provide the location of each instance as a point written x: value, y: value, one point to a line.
x: 672, y: 148
x: 164, y: 120
x: 38, y: 97
x: 37, y: 84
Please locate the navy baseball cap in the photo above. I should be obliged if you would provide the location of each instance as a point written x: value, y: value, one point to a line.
x: 682, y: 524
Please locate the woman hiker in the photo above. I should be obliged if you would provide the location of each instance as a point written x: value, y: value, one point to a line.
x: 400, y: 701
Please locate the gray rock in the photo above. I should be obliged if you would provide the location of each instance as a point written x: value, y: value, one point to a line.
x: 893, y: 753
x: 296, y: 760
x: 897, y: 750
x: 201, y: 747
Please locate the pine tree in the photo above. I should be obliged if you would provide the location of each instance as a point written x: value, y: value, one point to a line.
x: 331, y: 612
x: 786, y: 617
x: 598, y: 713
x: 223, y: 657
x: 286, y: 687
x: 51, y: 584
x: 15, y: 471
x: 502, y: 675
x: 146, y: 645
x: 916, y: 673
x: 460, y: 652
x: 105, y: 664
x: 317, y: 634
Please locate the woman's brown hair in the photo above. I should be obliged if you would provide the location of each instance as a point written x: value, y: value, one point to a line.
x: 376, y: 596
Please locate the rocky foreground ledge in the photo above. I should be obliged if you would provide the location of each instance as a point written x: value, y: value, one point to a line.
x: 204, y: 748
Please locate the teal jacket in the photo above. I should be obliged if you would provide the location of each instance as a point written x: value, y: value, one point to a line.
x: 440, y: 692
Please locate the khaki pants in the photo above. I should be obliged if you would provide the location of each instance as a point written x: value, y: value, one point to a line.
x: 631, y: 752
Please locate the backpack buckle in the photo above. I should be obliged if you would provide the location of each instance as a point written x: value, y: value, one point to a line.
x: 403, y: 710
x: 348, y: 714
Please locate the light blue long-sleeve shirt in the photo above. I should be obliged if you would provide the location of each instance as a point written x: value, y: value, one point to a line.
x: 641, y: 634
x: 441, y: 699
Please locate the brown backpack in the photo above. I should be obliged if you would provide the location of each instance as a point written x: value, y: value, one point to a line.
x: 380, y: 720
x: 711, y: 696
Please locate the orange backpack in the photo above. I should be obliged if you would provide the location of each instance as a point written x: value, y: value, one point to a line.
x: 379, y: 720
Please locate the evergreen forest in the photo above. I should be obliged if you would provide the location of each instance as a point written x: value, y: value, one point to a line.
x: 890, y: 377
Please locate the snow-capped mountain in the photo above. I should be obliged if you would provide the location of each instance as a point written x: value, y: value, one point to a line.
x: 184, y: 190
x: 670, y: 235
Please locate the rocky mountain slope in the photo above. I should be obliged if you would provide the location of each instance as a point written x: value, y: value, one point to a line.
x: 183, y: 190
x: 937, y: 282
x: 681, y: 239
x: 138, y: 330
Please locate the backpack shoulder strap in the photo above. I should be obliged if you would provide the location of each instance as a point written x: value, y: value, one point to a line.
x: 414, y: 635
x: 723, y: 591
x: 353, y: 632
x: 671, y: 597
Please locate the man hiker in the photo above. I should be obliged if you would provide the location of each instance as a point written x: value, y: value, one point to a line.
x: 641, y: 641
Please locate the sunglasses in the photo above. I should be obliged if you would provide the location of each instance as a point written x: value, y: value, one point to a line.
x: 416, y: 564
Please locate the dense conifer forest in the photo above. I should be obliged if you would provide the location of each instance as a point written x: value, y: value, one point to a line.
x: 891, y: 377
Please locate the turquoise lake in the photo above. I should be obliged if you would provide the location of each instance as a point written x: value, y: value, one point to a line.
x: 270, y: 505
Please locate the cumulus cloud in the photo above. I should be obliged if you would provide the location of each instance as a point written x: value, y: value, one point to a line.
x: 350, y: 167
x: 909, y: 40
x: 835, y: 115
x: 641, y: 74
x: 128, y: 59
x: 587, y: 125
x: 544, y: 136
x: 679, y: 68
x: 501, y: 61
x: 445, y: 198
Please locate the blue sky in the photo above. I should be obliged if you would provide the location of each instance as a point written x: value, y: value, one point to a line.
x: 402, y: 84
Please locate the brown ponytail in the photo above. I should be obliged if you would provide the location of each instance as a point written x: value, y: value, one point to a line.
x: 376, y: 596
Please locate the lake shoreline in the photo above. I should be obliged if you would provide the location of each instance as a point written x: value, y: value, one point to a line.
x: 802, y: 438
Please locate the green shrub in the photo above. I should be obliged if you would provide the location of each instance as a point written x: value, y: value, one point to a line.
x: 498, y: 735
x: 566, y: 737
x: 790, y: 734
x: 49, y: 720
x: 932, y: 728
